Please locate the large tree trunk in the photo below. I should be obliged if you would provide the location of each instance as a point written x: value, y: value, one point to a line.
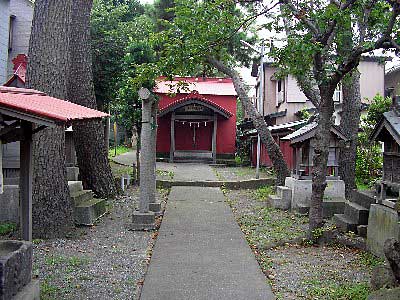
x: 320, y: 159
x: 48, y: 62
x: 349, y: 124
x: 94, y: 167
x: 274, y: 152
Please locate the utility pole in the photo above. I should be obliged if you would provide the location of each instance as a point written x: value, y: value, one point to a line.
x: 260, y: 102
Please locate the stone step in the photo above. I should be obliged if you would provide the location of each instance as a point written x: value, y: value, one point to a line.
x: 89, y: 211
x: 81, y: 196
x: 362, y: 230
x: 333, y: 206
x: 363, y: 198
x: 277, y: 202
x: 75, y: 187
x: 343, y: 223
x: 357, y: 213
x: 284, y: 192
x: 301, y: 209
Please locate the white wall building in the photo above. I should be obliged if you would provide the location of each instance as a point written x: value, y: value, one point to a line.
x: 15, y: 29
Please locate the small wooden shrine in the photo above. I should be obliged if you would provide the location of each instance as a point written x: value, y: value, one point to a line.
x: 23, y: 113
x: 302, y: 142
x: 387, y: 130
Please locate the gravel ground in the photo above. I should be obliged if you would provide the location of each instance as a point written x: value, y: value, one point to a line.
x: 298, y: 271
x: 239, y: 173
x: 105, y: 261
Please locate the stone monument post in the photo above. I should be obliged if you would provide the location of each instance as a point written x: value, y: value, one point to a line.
x: 144, y: 218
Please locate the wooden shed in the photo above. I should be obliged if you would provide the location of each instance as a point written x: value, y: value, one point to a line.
x: 302, y: 143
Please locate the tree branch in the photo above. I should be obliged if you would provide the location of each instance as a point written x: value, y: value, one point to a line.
x: 274, y: 152
x: 301, y: 15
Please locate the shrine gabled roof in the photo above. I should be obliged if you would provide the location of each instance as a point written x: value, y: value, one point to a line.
x: 308, y: 131
x: 37, y: 107
x: 194, y: 97
x: 391, y: 121
x: 204, y: 86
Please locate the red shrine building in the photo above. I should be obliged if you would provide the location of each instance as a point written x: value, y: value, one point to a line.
x: 196, y: 119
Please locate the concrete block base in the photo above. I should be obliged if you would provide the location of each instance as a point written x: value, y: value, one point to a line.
x: 72, y: 173
x: 383, y: 223
x: 156, y: 208
x: 88, y: 212
x: 302, y: 190
x: 143, y: 221
x: 30, y: 292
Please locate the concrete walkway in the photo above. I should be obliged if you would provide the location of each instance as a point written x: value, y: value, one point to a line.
x: 201, y: 252
x: 182, y: 171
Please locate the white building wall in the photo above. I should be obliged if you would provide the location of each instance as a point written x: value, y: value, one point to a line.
x: 4, y: 24
x: 293, y: 92
x: 371, y: 83
x: 23, y: 12
x: 372, y: 79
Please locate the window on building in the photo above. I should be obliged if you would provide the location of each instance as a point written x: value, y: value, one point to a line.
x: 337, y: 96
x: 280, y: 89
x: 11, y: 32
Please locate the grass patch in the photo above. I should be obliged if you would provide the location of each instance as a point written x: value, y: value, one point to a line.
x: 48, y: 291
x: 347, y: 291
x: 164, y: 173
x: 120, y: 150
x: 267, y: 226
x: 245, y: 171
x: 119, y: 170
x: 73, y: 261
x: 263, y: 192
x: 370, y: 260
x: 7, y: 228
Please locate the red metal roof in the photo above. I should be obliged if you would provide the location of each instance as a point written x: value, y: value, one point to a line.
x: 195, y: 95
x: 205, y: 86
x: 35, y: 103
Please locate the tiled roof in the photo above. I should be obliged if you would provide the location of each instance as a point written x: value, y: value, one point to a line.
x: 38, y: 104
x: 205, y: 86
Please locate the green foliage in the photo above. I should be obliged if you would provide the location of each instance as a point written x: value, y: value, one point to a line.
x: 7, y: 228
x: 350, y: 291
x: 369, y: 155
x: 113, y: 23
x: 370, y: 260
x: 304, y: 114
x: 266, y: 226
x: 263, y: 192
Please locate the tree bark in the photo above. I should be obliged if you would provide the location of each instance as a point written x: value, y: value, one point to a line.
x: 349, y: 124
x: 94, y: 167
x: 48, y: 62
x: 274, y: 152
x: 320, y: 159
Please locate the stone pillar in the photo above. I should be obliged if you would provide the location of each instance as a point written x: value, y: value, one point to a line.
x: 154, y: 206
x: 145, y: 219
